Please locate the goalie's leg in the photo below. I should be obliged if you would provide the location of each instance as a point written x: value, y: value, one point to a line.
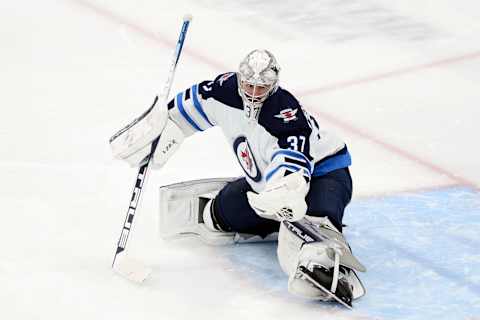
x: 234, y: 213
x: 329, y: 195
x: 216, y: 210
x: 228, y: 214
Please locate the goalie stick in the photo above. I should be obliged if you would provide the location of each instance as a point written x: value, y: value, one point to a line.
x: 129, y: 268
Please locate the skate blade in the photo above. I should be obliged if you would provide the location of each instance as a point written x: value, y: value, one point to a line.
x: 302, y: 269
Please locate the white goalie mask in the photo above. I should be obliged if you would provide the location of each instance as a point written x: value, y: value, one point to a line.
x: 257, y: 79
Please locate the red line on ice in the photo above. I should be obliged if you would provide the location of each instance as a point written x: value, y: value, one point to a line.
x: 155, y: 37
x: 397, y: 150
x: 391, y: 74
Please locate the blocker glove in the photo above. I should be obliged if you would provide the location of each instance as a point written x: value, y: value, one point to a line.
x: 282, y: 199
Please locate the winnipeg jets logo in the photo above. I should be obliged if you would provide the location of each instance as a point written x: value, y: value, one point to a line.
x: 225, y: 77
x: 287, y: 115
x: 246, y: 159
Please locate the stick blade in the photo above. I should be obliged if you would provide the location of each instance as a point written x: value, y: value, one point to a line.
x: 132, y: 270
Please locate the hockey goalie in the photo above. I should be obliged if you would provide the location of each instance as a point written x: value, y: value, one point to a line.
x: 296, y: 184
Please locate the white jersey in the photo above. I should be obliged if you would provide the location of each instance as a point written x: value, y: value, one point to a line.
x: 285, y: 138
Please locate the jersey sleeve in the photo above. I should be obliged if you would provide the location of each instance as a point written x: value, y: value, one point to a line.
x: 289, y: 155
x: 187, y: 109
x: 293, y: 133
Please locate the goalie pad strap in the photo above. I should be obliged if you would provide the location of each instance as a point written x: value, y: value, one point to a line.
x: 211, y: 212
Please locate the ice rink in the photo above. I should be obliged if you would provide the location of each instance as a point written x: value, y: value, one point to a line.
x: 399, y: 80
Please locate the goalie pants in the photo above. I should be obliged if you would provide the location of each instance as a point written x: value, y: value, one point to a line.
x: 328, y: 196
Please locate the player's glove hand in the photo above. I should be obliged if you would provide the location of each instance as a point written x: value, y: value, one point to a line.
x: 283, y: 199
x: 140, y: 133
x: 133, y: 143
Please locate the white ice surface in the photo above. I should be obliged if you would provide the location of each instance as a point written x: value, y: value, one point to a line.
x: 399, y: 80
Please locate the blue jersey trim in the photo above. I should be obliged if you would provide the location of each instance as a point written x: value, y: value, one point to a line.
x: 295, y: 155
x: 198, y: 105
x: 293, y: 168
x: 338, y: 161
x: 184, y: 113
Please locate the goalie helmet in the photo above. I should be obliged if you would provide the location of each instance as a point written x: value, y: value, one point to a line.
x: 257, y: 79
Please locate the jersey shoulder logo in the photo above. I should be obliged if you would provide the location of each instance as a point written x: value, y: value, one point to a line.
x: 245, y: 158
x: 223, y: 78
x: 287, y: 115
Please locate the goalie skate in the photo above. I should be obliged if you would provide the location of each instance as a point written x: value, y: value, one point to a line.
x: 322, y: 278
x: 319, y: 262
